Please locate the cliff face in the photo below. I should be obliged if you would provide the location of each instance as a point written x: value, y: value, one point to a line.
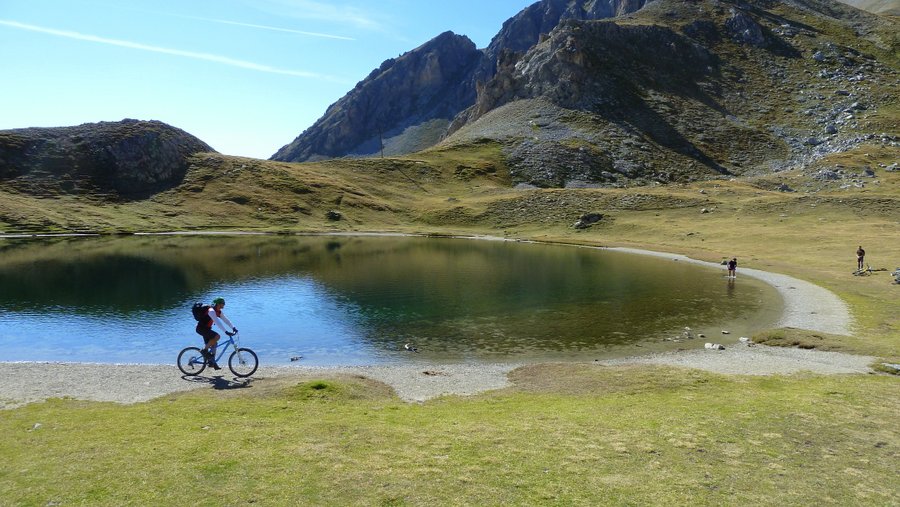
x: 599, y: 66
x: 128, y: 159
x: 408, y: 103
x: 524, y: 30
x: 424, y: 84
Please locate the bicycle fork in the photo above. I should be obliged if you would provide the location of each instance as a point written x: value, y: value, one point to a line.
x: 237, y: 351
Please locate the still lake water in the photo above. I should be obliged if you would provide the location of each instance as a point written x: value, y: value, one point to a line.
x: 357, y: 300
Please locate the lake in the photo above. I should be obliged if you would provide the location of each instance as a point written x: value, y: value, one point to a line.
x: 352, y: 300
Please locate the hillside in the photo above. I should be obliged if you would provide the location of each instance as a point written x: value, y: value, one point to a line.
x: 681, y: 91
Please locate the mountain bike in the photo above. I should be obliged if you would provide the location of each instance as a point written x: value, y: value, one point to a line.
x: 242, y: 361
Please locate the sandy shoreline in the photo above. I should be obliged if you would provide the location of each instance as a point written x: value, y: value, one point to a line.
x: 806, y: 306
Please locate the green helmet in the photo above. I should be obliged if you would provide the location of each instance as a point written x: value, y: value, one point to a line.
x: 218, y: 301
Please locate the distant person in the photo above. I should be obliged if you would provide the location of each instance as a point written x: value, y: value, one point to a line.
x: 860, y: 256
x: 732, y: 268
x: 210, y: 337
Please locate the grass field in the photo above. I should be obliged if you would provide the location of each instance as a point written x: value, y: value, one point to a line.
x: 614, y: 436
x: 564, y: 434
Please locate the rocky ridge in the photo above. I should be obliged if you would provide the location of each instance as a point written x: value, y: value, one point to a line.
x: 126, y: 159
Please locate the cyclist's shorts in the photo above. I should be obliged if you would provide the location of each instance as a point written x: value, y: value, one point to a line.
x: 207, y: 333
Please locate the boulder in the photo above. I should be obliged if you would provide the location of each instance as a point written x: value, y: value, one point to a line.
x: 746, y: 30
x: 587, y: 220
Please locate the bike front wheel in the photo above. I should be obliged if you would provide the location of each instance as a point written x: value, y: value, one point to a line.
x: 243, y: 362
x: 191, y: 361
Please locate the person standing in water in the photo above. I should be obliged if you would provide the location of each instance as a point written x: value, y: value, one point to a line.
x: 732, y: 268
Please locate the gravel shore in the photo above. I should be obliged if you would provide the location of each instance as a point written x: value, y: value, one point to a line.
x: 28, y: 382
x: 806, y: 306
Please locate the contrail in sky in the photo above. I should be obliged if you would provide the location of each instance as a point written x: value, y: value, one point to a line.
x: 276, y: 29
x: 176, y: 52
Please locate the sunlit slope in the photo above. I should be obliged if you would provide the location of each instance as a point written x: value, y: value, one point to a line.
x: 222, y: 192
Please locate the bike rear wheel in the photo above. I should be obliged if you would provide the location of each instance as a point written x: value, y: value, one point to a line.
x: 191, y: 361
x: 243, y: 362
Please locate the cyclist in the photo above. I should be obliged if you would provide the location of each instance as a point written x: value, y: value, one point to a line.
x: 210, y: 337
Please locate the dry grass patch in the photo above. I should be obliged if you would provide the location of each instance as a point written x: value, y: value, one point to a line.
x: 598, y: 380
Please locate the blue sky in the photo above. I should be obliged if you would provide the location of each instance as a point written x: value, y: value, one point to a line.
x: 246, y: 76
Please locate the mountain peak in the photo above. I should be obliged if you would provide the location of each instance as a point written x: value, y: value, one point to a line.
x: 419, y: 86
x: 408, y: 102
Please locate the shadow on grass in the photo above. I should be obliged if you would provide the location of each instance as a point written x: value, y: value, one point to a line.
x: 219, y: 382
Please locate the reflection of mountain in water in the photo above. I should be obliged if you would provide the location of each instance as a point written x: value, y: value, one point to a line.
x: 105, y: 283
x: 134, y: 274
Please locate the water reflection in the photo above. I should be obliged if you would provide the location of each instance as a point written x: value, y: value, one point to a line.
x: 353, y: 300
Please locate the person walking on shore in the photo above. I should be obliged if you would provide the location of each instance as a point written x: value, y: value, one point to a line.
x: 213, y: 315
x: 860, y: 256
x: 732, y: 268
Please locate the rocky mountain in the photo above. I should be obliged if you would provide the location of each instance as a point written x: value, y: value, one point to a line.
x: 685, y: 90
x: 668, y: 91
x: 127, y: 159
x: 407, y: 103
x: 413, y: 96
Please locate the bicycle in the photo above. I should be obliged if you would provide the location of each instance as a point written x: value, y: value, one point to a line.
x: 242, y: 361
x: 866, y: 271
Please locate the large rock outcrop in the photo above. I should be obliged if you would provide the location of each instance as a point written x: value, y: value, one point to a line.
x: 522, y: 31
x: 129, y: 159
x: 594, y: 66
x: 418, y: 87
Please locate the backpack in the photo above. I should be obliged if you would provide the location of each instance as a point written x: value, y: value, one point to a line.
x: 200, y: 312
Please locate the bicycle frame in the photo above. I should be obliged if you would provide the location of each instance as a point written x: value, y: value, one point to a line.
x: 219, y: 351
x: 231, y: 341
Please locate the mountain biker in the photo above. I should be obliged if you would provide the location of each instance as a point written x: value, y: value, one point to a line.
x: 210, y: 337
